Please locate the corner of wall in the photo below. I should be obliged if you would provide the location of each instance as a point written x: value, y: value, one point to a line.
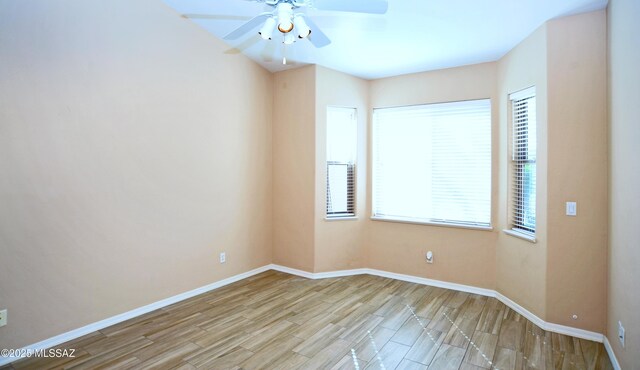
x: 521, y: 265
x: 624, y: 179
x: 294, y: 167
x: 577, y: 170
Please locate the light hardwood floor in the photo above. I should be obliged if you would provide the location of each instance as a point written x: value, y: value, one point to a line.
x: 279, y: 321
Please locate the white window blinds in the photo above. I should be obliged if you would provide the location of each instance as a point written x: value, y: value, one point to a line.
x: 341, y: 161
x: 523, y: 161
x: 432, y: 163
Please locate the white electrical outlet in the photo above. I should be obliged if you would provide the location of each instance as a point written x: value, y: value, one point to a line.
x: 223, y: 257
x: 3, y: 317
x: 429, y: 257
x: 621, y: 333
x: 572, y: 209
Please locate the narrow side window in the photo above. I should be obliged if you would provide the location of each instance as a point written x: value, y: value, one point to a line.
x: 341, y: 161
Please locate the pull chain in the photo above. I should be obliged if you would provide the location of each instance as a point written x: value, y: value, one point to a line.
x: 284, y: 53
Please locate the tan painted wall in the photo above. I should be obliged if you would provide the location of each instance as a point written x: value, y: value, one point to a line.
x: 460, y: 255
x: 520, y: 264
x: 293, y: 168
x: 577, y: 171
x: 129, y: 132
x: 132, y: 151
x: 624, y: 183
x: 564, y: 273
x: 339, y: 245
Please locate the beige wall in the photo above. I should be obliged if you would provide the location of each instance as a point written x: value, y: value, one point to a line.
x: 339, y: 244
x: 520, y: 264
x: 303, y: 239
x: 577, y: 171
x: 564, y: 272
x: 132, y: 151
x: 294, y: 124
x: 624, y: 182
x: 461, y: 256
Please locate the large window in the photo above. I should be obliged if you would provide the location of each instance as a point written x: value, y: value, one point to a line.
x: 432, y: 163
x: 523, y: 162
x: 341, y: 161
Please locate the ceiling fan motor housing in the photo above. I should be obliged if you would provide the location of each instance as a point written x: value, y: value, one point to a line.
x: 285, y: 17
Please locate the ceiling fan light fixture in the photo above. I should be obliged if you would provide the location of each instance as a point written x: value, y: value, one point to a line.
x: 285, y: 27
x: 285, y: 17
x: 266, y: 32
x: 302, y: 29
x: 288, y: 39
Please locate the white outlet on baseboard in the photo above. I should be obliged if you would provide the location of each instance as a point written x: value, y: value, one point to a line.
x: 223, y: 257
x: 3, y: 317
x: 621, y: 333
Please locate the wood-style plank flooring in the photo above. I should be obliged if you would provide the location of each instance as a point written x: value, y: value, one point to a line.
x: 279, y: 321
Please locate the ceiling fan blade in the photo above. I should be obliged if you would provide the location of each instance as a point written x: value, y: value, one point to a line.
x: 251, y: 24
x: 216, y: 17
x: 244, y: 45
x: 317, y: 37
x: 356, y: 6
x: 355, y: 20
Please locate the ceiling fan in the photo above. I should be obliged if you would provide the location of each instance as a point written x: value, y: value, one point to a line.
x: 286, y: 17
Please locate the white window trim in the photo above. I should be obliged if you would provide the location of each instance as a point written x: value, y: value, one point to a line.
x: 355, y: 164
x: 433, y: 223
x: 488, y: 227
x: 521, y: 235
x: 528, y: 92
x: 341, y: 218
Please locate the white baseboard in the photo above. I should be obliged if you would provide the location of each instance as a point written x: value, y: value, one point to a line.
x: 612, y: 355
x: 391, y: 275
x: 521, y: 310
x: 318, y: 275
x: 556, y: 328
x: 574, y: 332
x: 431, y: 282
x: 77, y: 333
x: 341, y: 273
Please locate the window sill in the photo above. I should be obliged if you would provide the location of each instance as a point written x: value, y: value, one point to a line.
x: 345, y: 218
x: 520, y: 235
x: 434, y: 223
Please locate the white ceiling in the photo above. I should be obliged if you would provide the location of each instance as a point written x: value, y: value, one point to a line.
x: 414, y: 35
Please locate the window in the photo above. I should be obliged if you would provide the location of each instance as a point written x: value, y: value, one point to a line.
x: 523, y: 162
x: 432, y: 163
x: 341, y: 161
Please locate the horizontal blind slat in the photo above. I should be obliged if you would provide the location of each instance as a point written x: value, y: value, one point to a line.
x: 341, y: 149
x: 433, y: 162
x: 523, y: 179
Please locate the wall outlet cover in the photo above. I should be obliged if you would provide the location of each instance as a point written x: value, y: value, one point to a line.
x: 572, y: 209
x: 429, y: 257
x: 3, y: 317
x: 223, y: 257
x: 621, y: 333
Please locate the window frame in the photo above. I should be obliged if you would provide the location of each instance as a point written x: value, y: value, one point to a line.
x: 353, y: 167
x: 516, y: 188
x: 433, y: 221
